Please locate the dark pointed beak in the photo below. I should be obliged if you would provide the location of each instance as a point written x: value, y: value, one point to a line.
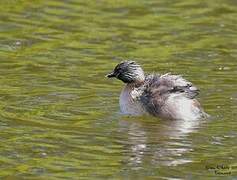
x: 110, y: 75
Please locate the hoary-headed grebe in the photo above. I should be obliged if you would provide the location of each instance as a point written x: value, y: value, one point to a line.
x: 166, y: 96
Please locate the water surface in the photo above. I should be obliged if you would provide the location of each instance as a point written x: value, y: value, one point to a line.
x: 59, y: 115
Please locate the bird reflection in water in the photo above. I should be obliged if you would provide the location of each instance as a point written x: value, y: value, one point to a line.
x: 157, y: 142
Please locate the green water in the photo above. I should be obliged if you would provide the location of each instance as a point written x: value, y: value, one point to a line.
x: 59, y: 115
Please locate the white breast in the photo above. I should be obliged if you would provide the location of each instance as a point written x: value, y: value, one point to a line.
x: 129, y: 103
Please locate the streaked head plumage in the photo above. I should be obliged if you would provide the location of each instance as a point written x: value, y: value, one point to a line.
x: 128, y: 72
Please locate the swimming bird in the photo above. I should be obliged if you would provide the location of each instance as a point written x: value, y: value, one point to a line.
x: 166, y: 96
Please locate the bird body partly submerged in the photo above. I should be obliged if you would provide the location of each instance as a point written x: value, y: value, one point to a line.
x: 167, y: 96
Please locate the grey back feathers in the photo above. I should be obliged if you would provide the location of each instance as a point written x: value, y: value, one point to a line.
x: 157, y: 89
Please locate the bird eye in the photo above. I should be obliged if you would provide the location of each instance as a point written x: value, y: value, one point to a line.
x: 118, y: 68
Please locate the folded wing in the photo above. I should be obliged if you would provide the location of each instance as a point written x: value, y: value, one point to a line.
x: 158, y: 88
